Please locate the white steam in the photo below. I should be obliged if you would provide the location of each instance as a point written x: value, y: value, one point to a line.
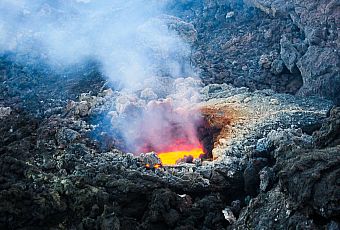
x: 131, y: 40
x: 128, y: 37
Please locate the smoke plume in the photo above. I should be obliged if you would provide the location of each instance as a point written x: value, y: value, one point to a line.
x: 130, y: 39
x: 126, y: 37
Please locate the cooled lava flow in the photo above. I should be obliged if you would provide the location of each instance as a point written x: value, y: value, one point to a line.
x: 177, y: 153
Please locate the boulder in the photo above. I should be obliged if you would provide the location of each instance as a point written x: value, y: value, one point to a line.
x: 320, y: 70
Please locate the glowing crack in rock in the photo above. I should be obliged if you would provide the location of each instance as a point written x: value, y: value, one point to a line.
x: 178, y: 153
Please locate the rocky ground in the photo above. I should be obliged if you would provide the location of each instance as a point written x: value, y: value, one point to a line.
x: 276, y: 159
x: 288, y: 46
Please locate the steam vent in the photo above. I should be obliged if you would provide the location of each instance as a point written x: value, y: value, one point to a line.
x: 160, y: 115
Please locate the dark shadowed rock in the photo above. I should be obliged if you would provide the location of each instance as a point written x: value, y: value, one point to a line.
x: 277, y: 66
x: 266, y: 178
x: 329, y: 134
x: 311, y: 179
x: 320, y: 70
x: 289, y: 54
x: 267, y: 211
x: 252, y: 176
x: 66, y: 136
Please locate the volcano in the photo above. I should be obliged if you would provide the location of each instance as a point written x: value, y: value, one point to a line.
x: 152, y: 115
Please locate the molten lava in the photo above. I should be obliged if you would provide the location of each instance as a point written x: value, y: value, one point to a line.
x: 168, y: 130
x: 177, y: 153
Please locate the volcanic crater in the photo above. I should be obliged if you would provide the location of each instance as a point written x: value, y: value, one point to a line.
x: 169, y: 115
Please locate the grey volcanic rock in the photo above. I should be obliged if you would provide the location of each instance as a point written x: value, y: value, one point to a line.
x: 71, y: 183
x: 277, y: 66
x: 310, y: 178
x: 329, y: 134
x: 5, y: 111
x: 266, y: 178
x: 273, y: 7
x: 232, y: 49
x: 260, y: 114
x: 275, y: 156
x: 320, y: 64
x: 306, y: 188
x: 272, y: 210
x: 228, y: 48
x: 289, y: 54
x: 320, y: 70
x: 66, y: 135
x: 184, y: 29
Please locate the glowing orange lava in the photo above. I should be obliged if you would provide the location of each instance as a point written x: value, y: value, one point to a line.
x: 157, y: 166
x: 171, y: 157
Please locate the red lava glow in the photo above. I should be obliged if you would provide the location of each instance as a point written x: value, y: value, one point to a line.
x: 168, y: 130
x: 175, y: 153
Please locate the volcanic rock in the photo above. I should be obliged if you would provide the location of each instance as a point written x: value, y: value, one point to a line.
x: 228, y: 215
x: 251, y: 115
x: 277, y: 66
x: 5, y: 111
x: 319, y: 65
x: 266, y: 178
x: 289, y: 54
x: 273, y: 157
x: 329, y: 134
x: 320, y: 71
x: 69, y: 179
x: 271, y: 210
x: 319, y: 191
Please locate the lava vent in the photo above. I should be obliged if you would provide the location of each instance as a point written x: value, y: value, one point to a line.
x: 176, y: 134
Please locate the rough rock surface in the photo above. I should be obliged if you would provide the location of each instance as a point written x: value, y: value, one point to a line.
x: 239, y: 44
x: 329, y: 134
x: 54, y: 175
x: 276, y: 44
x: 306, y: 196
x: 276, y: 156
